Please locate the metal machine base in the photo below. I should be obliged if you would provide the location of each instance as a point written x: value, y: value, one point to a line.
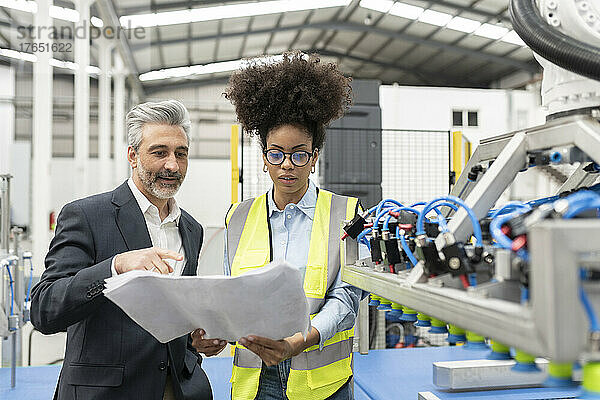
x: 481, y: 374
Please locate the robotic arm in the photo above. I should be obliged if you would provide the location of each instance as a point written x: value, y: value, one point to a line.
x: 565, y: 37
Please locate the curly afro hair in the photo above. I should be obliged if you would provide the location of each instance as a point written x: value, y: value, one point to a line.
x: 299, y: 90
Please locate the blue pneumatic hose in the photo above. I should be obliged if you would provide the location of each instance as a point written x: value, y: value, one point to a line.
x: 456, y: 200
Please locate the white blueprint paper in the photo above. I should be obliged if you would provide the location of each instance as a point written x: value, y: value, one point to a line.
x: 267, y: 302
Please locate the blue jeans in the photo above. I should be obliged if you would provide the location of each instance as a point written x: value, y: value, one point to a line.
x: 273, y: 383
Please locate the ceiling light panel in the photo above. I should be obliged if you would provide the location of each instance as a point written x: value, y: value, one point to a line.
x: 21, y: 5
x: 463, y: 24
x: 226, y: 12
x: 66, y: 14
x: 97, y: 22
x: 17, y: 55
x: 435, y: 18
x: 491, y: 31
x: 213, y: 68
x: 382, y: 6
x: 62, y: 13
x: 406, y: 11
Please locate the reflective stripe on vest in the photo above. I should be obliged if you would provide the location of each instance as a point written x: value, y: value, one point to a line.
x: 235, y: 221
x: 316, y: 358
x: 245, y: 358
x: 314, y: 373
x: 311, y: 358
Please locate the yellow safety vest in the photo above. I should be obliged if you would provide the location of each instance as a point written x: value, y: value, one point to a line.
x: 314, y: 374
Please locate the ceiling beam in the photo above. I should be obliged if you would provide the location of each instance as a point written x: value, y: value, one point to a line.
x: 461, y: 38
x: 292, y: 45
x: 426, y: 77
x: 218, y: 41
x: 161, y: 54
x: 390, y: 39
x: 432, y: 34
x: 439, y: 45
x: 245, y: 39
x: 354, y: 4
x: 478, y: 70
x: 499, y: 17
x: 173, y: 5
x: 354, y: 27
x: 438, y: 79
x: 488, y: 44
x: 272, y: 35
x: 189, y: 41
x: 185, y: 83
x: 110, y: 18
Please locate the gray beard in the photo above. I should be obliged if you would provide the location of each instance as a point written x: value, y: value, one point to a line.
x: 157, y: 190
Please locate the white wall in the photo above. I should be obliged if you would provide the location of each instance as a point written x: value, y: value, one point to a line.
x: 206, y: 195
x: 206, y: 192
x: 499, y: 111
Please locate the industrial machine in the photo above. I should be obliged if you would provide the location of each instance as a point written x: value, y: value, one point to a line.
x: 523, y: 277
x: 14, y: 290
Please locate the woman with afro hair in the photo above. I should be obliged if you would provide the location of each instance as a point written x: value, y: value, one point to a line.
x: 288, y: 104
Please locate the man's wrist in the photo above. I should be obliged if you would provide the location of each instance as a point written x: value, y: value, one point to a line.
x: 113, y: 266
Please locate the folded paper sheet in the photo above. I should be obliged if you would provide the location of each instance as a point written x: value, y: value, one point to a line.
x: 267, y: 302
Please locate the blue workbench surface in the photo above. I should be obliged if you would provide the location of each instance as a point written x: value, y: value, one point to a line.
x: 381, y: 375
x: 38, y: 383
x: 402, y: 373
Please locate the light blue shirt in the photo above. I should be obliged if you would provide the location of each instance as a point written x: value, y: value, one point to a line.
x: 291, y: 229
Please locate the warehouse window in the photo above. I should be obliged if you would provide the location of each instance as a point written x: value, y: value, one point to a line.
x: 472, y: 118
x: 457, y: 118
x: 465, y: 118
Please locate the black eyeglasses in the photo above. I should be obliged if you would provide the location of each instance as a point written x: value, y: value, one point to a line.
x: 276, y: 157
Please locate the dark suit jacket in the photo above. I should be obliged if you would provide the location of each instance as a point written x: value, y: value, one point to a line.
x: 108, y: 356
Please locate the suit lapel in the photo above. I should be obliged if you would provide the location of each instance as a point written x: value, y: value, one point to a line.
x: 130, y: 220
x: 186, y: 238
x: 177, y: 347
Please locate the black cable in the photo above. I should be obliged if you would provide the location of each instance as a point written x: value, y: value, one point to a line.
x: 29, y: 355
x: 372, y: 326
x: 553, y: 45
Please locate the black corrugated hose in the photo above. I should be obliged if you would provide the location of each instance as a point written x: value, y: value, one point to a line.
x: 553, y: 45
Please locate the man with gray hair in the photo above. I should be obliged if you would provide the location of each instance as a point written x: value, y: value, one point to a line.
x: 137, y: 226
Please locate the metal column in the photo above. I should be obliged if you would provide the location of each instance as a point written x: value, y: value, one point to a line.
x: 7, y: 114
x: 5, y: 214
x: 41, y: 141
x: 82, y: 99
x: 104, y: 95
x: 121, y: 167
x: 4, y: 239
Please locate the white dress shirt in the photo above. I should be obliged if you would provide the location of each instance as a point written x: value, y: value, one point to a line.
x: 164, y: 234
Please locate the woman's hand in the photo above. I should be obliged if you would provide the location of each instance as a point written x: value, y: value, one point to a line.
x: 272, y: 352
x: 208, y: 347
